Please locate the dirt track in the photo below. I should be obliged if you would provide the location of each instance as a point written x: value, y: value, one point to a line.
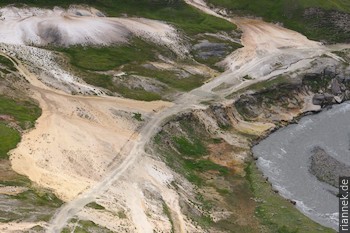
x: 80, y: 147
x: 249, y: 60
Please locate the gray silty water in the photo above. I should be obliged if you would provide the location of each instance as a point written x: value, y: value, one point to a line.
x: 284, y: 157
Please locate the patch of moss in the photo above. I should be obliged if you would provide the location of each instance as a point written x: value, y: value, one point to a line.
x: 24, y: 112
x: 137, y: 116
x: 40, y: 198
x: 7, y: 63
x: 188, y: 148
x: 96, y: 206
x: 9, y: 139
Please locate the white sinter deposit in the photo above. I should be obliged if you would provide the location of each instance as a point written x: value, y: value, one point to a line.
x: 43, y: 63
x: 22, y: 27
x: 80, y: 25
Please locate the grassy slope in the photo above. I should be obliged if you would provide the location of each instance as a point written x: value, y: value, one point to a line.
x: 34, y: 204
x: 187, y: 18
x: 186, y: 150
x: 86, y: 59
x: 24, y: 112
x: 275, y: 212
x: 290, y: 12
x: 9, y: 139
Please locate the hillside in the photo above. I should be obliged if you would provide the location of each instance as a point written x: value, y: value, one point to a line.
x: 185, y: 17
x: 107, y: 55
x: 319, y: 20
x: 140, y: 116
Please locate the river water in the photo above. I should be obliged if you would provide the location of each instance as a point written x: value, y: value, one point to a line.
x: 284, y: 157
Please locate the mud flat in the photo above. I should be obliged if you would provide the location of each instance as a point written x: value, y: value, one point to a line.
x: 285, y: 158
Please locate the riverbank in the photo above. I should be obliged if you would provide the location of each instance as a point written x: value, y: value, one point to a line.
x: 285, y: 158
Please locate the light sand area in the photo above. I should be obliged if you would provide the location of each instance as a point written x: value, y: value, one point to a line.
x: 75, y: 146
x: 269, y: 50
x: 12, y: 190
x: 139, y: 196
x: 77, y: 138
x: 17, y: 227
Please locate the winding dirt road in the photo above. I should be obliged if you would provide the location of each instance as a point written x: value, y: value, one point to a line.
x: 269, y: 50
x: 251, y: 60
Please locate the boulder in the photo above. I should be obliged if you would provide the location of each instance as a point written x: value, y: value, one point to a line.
x: 336, y: 87
x: 323, y: 99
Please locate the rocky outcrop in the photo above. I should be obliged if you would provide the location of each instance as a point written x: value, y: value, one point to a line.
x: 285, y: 100
x: 326, y: 168
x: 206, y: 49
x: 323, y: 99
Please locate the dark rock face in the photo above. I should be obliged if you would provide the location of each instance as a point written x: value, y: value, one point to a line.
x: 329, y: 87
x: 206, y: 50
x: 337, y: 87
x: 219, y: 113
x: 326, y: 168
x: 249, y: 106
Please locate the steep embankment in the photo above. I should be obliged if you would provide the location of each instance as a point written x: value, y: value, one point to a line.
x: 319, y: 20
x: 211, y: 149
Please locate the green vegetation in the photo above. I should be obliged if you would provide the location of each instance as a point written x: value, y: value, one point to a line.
x: 181, y: 145
x: 9, y: 139
x: 177, y: 12
x: 84, y: 226
x: 345, y: 54
x: 264, y: 85
x: 206, y: 165
x: 137, y: 94
x: 137, y: 116
x: 247, y: 77
x: 106, y: 81
x: 39, y: 197
x: 85, y: 61
x: 261, y: 86
x: 276, y: 213
x: 317, y: 82
x: 226, y: 48
x: 96, y: 206
x: 32, y: 205
x: 23, y: 111
x: 291, y: 13
x: 121, y: 214
x: 89, y: 62
x: 108, y: 58
x: 167, y: 212
x: 190, y: 155
x: 6, y: 62
x: 193, y: 149
x: 168, y: 77
x: 16, y: 180
x: 37, y: 228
